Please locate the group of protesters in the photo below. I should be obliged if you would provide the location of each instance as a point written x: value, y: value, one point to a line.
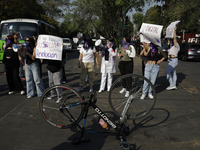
x: 26, y: 56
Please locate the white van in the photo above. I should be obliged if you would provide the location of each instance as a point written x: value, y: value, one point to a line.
x: 67, y: 44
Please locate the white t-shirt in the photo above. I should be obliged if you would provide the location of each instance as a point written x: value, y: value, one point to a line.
x: 174, y: 50
x: 88, y: 55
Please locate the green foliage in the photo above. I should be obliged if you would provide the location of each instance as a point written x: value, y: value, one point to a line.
x: 153, y: 15
x: 20, y: 9
x: 102, y: 16
x: 54, y: 8
x: 138, y: 20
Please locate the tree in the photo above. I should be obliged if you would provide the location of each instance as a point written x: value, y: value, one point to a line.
x: 153, y: 15
x: 54, y: 8
x: 102, y: 15
x: 137, y: 21
x: 68, y: 27
x: 19, y: 9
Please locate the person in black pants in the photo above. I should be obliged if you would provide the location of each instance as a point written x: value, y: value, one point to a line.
x: 126, y: 54
x: 11, y: 64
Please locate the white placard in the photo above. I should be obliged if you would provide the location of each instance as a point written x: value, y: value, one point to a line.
x: 170, y: 29
x: 49, y: 47
x: 151, y: 33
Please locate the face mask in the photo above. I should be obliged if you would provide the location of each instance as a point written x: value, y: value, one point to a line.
x: 28, y: 45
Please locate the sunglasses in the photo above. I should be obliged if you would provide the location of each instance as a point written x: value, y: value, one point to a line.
x: 27, y: 40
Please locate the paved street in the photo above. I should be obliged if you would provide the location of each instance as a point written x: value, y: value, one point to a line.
x: 173, y: 124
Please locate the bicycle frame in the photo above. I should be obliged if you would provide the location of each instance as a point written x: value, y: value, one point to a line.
x: 90, y: 100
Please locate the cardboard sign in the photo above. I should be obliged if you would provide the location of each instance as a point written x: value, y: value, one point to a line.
x: 49, y: 47
x: 151, y: 33
x: 170, y: 29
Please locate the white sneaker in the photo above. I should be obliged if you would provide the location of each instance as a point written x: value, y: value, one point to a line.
x: 100, y: 91
x: 127, y: 94
x: 142, y: 97
x: 79, y: 89
x: 22, y: 92
x: 58, y: 100
x: 150, y: 96
x: 50, y: 97
x: 29, y: 97
x: 122, y: 91
x: 171, y: 87
x: 91, y: 89
x: 11, y: 92
x: 108, y: 89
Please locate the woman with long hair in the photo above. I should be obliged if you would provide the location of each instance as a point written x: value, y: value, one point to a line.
x: 32, y: 71
x: 154, y: 57
x: 11, y: 64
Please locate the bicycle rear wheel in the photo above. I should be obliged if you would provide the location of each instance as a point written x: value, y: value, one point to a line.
x: 134, y: 83
x: 66, y: 113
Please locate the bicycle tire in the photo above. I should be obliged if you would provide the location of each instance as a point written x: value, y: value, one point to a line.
x: 138, y: 108
x: 58, y: 114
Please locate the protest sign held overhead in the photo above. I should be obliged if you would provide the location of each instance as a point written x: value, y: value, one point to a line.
x: 49, y: 47
x: 170, y: 29
x: 151, y: 33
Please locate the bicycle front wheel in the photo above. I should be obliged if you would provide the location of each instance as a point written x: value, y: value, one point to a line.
x: 60, y: 106
x: 118, y: 96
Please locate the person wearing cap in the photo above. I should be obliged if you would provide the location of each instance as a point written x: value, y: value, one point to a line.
x: 107, y: 65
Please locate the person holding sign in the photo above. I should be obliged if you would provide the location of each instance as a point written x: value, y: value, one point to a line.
x: 32, y: 70
x: 154, y: 57
x: 126, y: 54
x: 172, y: 62
x: 86, y: 63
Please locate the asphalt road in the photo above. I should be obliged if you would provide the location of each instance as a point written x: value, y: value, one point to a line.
x: 173, y: 124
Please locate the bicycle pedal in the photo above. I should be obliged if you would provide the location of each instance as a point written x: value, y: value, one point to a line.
x: 125, y: 145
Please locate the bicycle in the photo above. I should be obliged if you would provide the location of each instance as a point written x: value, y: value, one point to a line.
x: 73, y: 107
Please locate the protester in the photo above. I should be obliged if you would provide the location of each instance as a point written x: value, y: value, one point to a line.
x: 154, y: 57
x: 32, y: 71
x: 64, y: 60
x: 21, y: 71
x: 126, y: 54
x: 172, y: 62
x: 86, y: 63
x: 39, y: 61
x: 55, y: 74
x: 11, y: 64
x: 107, y: 65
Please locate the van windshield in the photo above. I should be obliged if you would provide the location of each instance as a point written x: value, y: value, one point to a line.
x: 25, y: 29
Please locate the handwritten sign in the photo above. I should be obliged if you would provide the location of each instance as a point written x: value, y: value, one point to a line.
x: 170, y: 29
x: 49, y: 47
x: 151, y: 33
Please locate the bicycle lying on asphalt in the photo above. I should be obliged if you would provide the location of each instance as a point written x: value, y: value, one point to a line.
x: 73, y: 107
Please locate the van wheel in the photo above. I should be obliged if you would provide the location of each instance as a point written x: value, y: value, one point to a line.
x: 183, y: 58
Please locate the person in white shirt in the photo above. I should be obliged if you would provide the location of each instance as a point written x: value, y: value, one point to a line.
x: 86, y: 63
x: 172, y: 62
x: 107, y: 65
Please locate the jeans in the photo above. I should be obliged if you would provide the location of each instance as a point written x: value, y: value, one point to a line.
x: 151, y: 73
x: 32, y: 73
x: 171, y: 69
